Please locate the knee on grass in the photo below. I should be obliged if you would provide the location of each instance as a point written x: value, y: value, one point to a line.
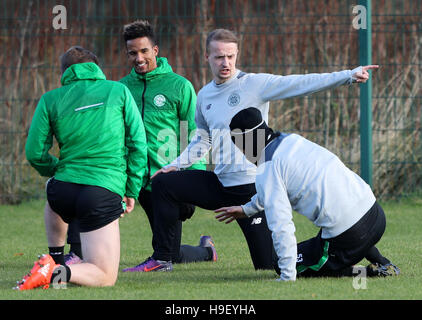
x: 91, y: 275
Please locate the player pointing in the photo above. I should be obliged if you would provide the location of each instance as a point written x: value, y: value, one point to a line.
x: 233, y: 179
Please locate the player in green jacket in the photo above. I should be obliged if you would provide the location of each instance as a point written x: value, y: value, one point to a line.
x: 96, y: 178
x: 167, y: 104
x: 94, y: 153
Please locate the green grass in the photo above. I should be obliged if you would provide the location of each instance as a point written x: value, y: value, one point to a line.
x: 22, y: 238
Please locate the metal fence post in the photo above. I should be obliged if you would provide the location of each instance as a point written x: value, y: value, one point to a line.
x: 365, y: 58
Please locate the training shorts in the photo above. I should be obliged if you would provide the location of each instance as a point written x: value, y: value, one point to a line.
x: 93, y: 206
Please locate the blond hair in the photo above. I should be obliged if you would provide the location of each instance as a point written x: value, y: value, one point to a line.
x: 222, y: 35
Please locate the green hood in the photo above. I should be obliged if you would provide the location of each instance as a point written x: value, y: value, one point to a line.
x: 82, y: 71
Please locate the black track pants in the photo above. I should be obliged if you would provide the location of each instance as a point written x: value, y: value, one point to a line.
x: 203, y: 189
x: 345, y: 250
x: 181, y: 253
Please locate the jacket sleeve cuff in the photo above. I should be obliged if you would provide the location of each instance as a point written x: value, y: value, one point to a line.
x: 355, y: 70
x: 252, y: 207
x: 173, y: 164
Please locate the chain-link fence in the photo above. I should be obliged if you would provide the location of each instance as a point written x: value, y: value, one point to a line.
x: 277, y: 36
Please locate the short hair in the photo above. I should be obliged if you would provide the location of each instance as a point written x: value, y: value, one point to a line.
x: 76, y: 54
x: 139, y: 29
x: 222, y: 35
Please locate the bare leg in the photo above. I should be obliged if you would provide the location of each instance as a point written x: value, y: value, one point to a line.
x: 55, y: 228
x: 101, y: 251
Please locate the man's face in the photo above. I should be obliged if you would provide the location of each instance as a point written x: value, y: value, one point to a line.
x: 222, y: 59
x: 142, y: 54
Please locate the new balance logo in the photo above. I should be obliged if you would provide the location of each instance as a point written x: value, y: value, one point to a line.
x: 299, y: 258
x: 44, y: 270
x: 256, y: 221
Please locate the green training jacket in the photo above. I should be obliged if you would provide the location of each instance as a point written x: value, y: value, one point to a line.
x: 99, y: 131
x: 167, y: 103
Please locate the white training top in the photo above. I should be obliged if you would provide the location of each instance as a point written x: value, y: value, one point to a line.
x: 300, y: 175
x: 218, y: 103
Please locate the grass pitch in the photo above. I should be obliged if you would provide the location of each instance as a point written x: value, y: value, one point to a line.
x: 232, y: 277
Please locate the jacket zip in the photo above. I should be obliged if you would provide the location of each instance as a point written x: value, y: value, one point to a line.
x: 142, y: 115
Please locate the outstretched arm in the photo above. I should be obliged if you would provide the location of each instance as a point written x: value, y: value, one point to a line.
x: 275, y: 87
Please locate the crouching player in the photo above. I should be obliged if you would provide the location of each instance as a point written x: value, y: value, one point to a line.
x: 297, y: 174
x: 98, y: 176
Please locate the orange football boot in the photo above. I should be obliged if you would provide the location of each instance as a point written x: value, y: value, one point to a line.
x: 40, y: 274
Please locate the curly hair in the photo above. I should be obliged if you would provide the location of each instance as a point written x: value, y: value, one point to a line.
x: 139, y: 29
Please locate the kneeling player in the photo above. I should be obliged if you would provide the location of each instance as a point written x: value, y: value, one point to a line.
x: 102, y: 161
x: 295, y: 173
